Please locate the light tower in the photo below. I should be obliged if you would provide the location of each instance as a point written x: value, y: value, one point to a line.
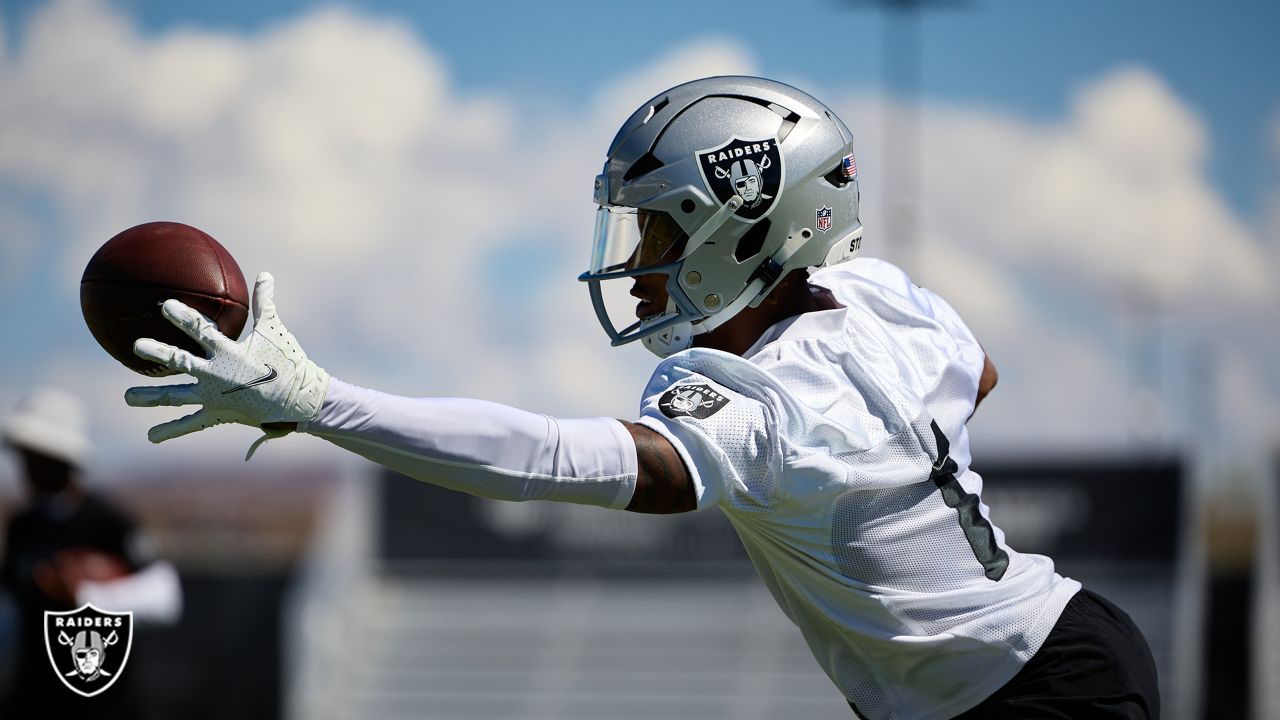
x: 901, y: 51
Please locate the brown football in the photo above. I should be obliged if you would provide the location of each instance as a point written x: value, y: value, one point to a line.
x: 134, y: 272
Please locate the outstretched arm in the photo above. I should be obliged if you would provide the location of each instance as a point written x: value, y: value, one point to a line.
x: 477, y: 447
x: 483, y: 448
x: 663, y: 484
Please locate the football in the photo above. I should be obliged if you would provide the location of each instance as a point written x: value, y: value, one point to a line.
x: 129, y: 277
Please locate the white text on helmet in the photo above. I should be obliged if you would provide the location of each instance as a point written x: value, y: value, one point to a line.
x: 722, y: 155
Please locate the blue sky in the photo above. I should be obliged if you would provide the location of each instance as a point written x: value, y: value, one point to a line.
x: 1023, y: 55
x: 1100, y: 194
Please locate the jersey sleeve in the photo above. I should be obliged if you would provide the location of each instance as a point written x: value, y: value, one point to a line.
x: 730, y: 442
x: 947, y: 317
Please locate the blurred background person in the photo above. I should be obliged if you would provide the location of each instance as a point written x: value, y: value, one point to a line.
x: 68, y: 547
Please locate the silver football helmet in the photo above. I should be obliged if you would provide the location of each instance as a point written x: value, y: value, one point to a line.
x: 724, y: 185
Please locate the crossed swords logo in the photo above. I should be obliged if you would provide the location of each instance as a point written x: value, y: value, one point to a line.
x: 88, y: 658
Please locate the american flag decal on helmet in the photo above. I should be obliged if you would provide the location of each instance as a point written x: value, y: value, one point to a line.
x: 849, y: 167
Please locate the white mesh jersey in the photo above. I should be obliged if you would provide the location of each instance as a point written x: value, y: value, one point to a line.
x: 837, y: 448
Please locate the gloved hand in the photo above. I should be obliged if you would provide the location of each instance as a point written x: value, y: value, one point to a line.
x: 266, y: 378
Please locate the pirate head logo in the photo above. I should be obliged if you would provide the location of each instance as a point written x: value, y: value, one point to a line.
x: 750, y: 169
x: 695, y: 401
x: 88, y: 647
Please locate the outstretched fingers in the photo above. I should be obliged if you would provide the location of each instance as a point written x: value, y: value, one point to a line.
x: 167, y: 355
x: 162, y: 395
x: 263, y: 297
x: 196, y: 421
x: 194, y: 324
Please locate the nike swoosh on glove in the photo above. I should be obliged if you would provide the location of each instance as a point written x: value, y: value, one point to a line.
x: 265, y: 378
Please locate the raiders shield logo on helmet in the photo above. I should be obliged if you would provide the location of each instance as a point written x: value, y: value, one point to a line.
x: 751, y: 169
x: 88, y: 647
x: 695, y: 401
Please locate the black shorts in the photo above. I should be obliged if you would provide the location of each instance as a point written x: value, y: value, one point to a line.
x: 1094, y: 664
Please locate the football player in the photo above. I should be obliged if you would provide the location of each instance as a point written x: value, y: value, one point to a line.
x: 818, y: 400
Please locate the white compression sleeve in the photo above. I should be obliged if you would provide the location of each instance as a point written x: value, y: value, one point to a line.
x: 481, y: 447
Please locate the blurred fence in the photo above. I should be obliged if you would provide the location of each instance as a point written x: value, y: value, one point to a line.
x: 328, y: 613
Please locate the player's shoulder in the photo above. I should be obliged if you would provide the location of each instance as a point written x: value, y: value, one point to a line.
x: 800, y: 391
x: 718, y: 375
x: 718, y: 394
x: 874, y: 284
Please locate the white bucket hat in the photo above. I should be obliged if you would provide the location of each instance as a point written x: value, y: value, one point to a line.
x: 50, y: 421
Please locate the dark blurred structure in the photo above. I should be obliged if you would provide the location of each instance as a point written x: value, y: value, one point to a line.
x: 1117, y: 526
x: 428, y: 529
x: 222, y: 661
x: 235, y: 535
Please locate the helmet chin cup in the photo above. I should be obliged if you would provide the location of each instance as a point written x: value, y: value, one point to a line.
x: 669, y: 341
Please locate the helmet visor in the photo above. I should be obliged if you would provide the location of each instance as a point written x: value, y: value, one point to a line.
x: 631, y: 239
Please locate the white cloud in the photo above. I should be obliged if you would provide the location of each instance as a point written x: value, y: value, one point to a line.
x: 1115, y: 195
x: 425, y: 237
x: 1078, y: 248
x: 333, y: 150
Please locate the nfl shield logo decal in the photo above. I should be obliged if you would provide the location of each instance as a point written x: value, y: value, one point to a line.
x: 88, y: 647
x: 823, y: 219
x: 750, y: 169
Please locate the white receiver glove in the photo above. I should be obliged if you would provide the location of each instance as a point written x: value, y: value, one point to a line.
x: 265, y: 378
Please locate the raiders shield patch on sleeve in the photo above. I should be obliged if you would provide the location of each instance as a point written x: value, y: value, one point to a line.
x: 695, y: 401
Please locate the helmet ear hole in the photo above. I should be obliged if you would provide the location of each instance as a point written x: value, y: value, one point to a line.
x: 751, y: 241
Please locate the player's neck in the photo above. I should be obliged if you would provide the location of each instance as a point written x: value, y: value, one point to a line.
x: 794, y: 297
